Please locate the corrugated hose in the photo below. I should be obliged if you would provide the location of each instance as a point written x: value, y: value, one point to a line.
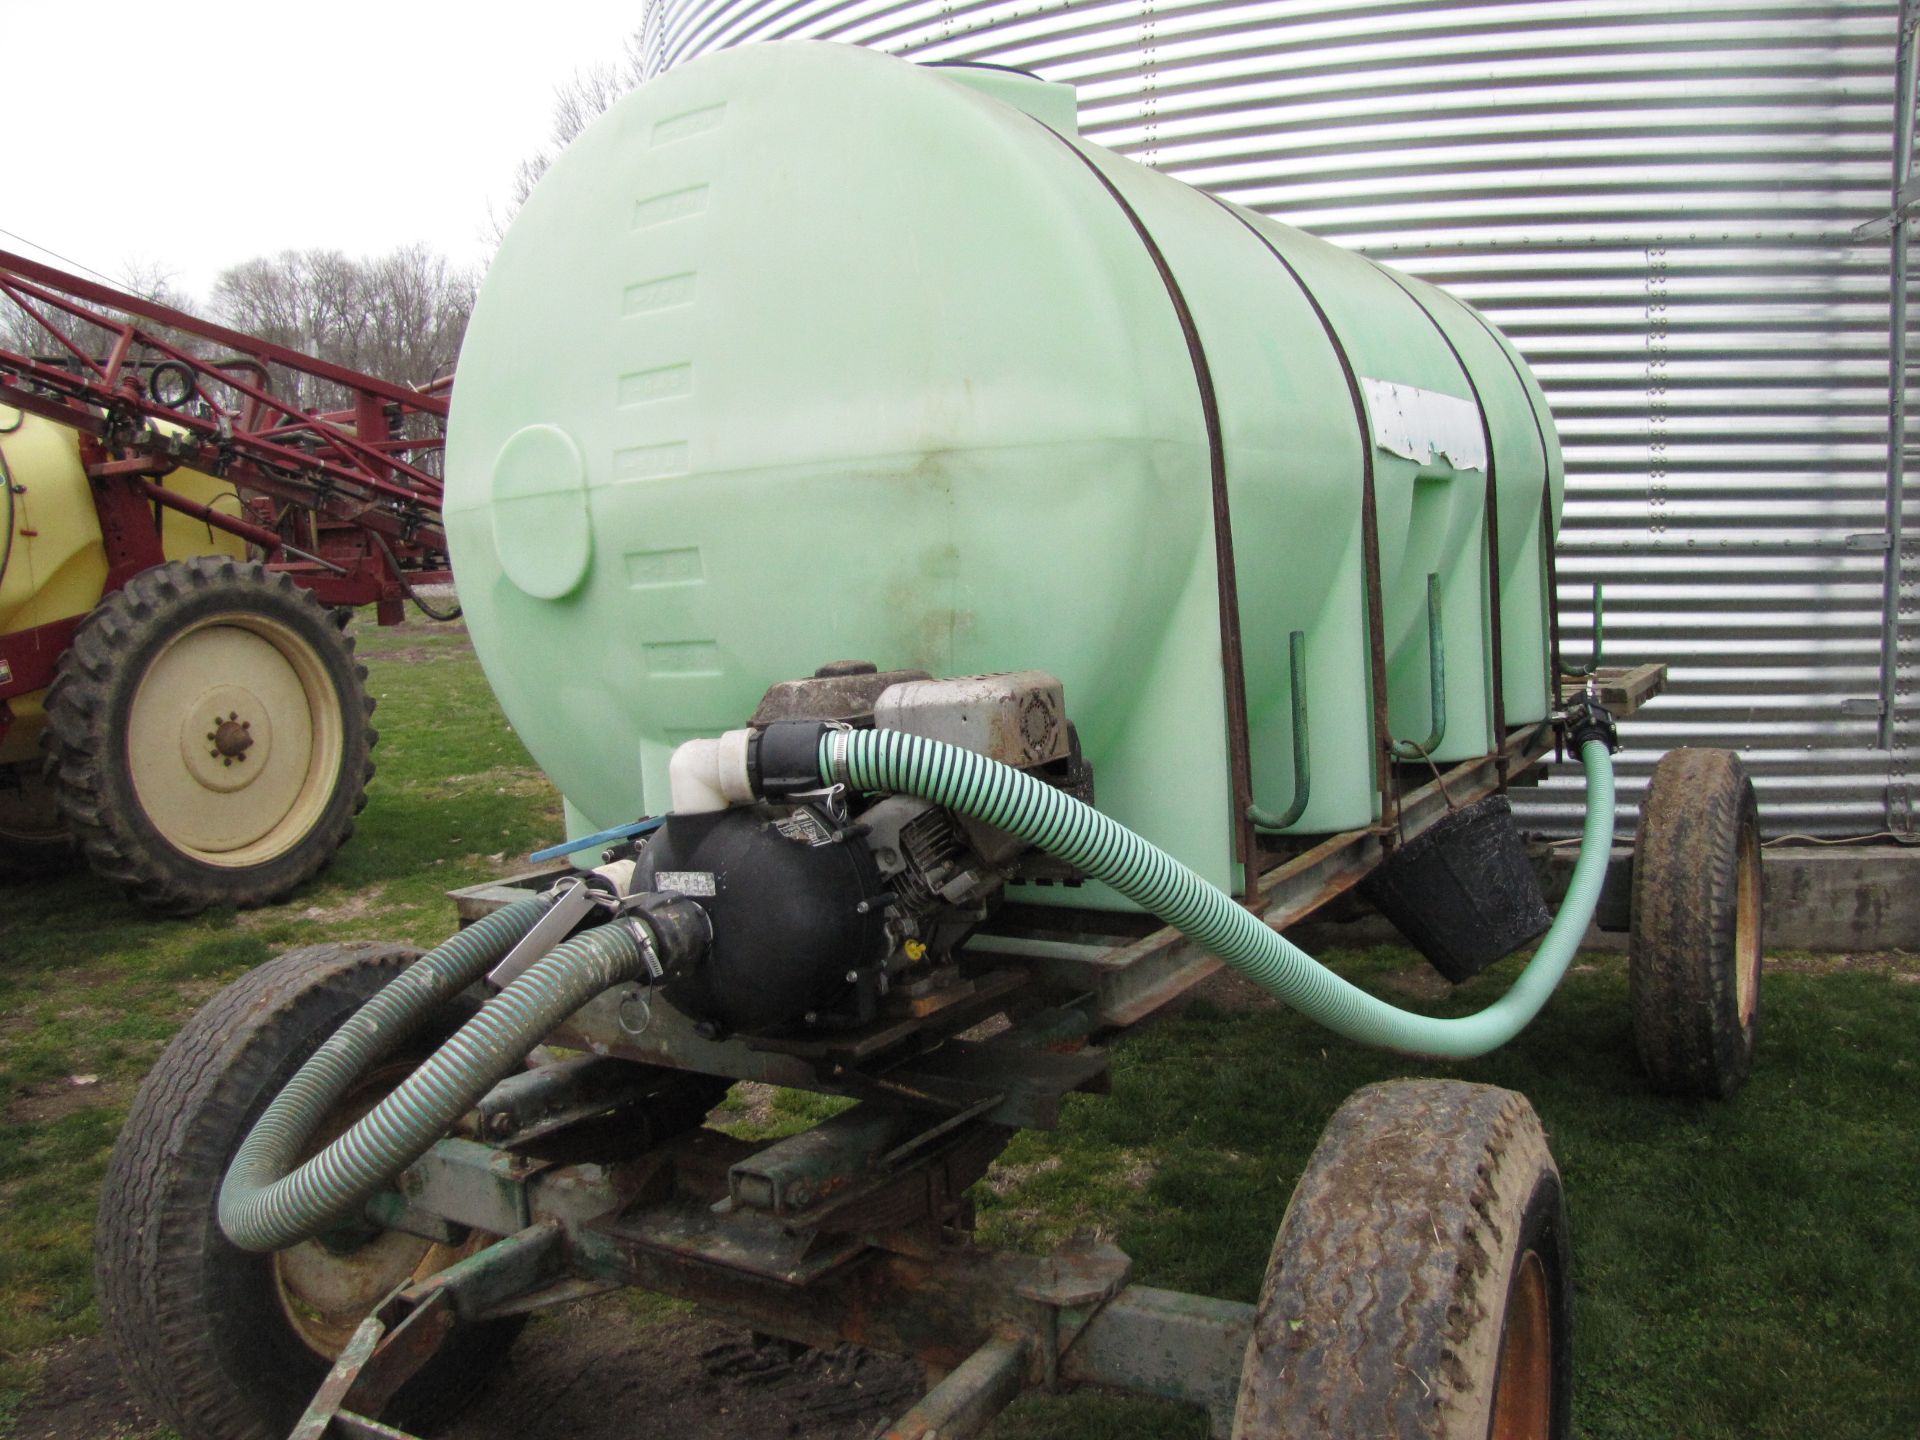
x: 1040, y: 814
x: 267, y: 1204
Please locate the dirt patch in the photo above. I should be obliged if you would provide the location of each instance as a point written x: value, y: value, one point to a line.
x: 587, y: 1370
x: 1901, y: 964
x: 691, y: 1379
x: 56, y: 1099
x: 80, y: 1397
x: 1003, y: 1179
x: 756, y: 1105
x: 501, y: 779
x: 1228, y: 990
x: 416, y: 654
x: 1136, y: 1170
x: 355, y: 907
x: 1418, y: 982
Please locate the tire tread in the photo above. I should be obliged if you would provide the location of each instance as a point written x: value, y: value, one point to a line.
x: 92, y: 683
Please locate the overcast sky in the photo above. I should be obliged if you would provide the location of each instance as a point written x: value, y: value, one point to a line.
x: 195, y: 136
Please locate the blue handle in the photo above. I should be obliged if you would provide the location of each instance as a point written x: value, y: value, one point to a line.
x: 619, y: 832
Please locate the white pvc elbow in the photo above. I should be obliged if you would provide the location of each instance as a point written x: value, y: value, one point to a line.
x: 708, y: 775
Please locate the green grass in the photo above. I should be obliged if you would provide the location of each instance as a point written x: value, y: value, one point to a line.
x: 1743, y: 1270
x: 91, y: 987
x: 1748, y: 1269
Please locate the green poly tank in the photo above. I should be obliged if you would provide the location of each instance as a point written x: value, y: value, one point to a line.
x: 804, y: 353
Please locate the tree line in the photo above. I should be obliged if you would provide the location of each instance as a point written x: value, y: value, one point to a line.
x: 399, y: 316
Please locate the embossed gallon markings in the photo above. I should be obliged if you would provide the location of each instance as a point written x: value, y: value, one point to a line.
x: 693, y: 122
x: 650, y: 462
x: 651, y: 569
x: 670, y: 659
x: 661, y: 383
x: 654, y: 295
x: 674, y: 205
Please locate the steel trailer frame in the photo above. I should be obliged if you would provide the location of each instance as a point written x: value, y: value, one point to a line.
x: 858, y: 1229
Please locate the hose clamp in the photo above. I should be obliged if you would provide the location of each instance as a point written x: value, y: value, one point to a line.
x: 649, y: 955
x: 839, y: 763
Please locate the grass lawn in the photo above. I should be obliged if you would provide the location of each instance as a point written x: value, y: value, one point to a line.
x: 1743, y: 1270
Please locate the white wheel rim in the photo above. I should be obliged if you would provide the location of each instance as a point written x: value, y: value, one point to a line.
x: 234, y: 740
x: 326, y: 1294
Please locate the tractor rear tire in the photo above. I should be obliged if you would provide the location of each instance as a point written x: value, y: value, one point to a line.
x: 1694, y: 958
x: 33, y: 838
x: 208, y: 736
x: 219, y: 1343
x: 1420, y: 1283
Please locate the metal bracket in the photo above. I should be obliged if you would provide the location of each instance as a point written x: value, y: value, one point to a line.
x: 1436, y: 681
x: 573, y: 900
x: 411, y: 1325
x: 1302, y: 743
x: 1581, y: 672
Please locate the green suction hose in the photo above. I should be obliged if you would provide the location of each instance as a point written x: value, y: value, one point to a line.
x: 891, y: 761
x: 264, y: 1207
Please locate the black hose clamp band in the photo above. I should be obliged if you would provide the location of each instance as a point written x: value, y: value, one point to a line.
x: 1587, y: 719
x: 784, y: 759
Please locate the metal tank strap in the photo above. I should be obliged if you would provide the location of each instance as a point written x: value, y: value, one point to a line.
x: 1493, y: 528
x: 1369, y: 538
x: 1239, y: 745
x: 1546, y: 509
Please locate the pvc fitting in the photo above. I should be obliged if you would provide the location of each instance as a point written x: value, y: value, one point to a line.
x: 709, y: 775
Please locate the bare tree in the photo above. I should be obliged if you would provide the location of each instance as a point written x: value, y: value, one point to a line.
x: 399, y: 316
x: 21, y: 333
x: 588, y: 94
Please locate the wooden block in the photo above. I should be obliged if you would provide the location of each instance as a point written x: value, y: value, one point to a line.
x: 1622, y: 689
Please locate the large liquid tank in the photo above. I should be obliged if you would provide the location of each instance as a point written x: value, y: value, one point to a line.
x: 804, y: 353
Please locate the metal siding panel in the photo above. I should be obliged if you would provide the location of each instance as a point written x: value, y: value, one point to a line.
x: 1655, y: 201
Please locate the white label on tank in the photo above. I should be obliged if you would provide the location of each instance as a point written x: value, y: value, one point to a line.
x: 687, y: 882
x: 1420, y: 424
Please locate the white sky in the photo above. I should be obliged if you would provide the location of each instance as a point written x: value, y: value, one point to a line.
x: 195, y: 136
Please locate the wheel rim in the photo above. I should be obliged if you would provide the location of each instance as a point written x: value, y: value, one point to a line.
x: 234, y: 740
x: 325, y: 1293
x: 1746, y: 927
x: 1523, y: 1393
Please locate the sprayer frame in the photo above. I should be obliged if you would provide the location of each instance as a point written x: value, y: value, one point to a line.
x: 856, y: 1229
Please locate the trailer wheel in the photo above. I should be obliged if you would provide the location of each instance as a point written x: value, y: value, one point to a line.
x: 208, y: 736
x: 1419, y: 1283
x: 219, y: 1343
x: 33, y: 838
x: 1695, y: 953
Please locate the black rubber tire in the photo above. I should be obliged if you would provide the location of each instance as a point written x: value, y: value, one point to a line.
x: 197, y: 1325
x: 31, y: 842
x: 1386, y: 1302
x: 91, y: 700
x: 1696, y: 869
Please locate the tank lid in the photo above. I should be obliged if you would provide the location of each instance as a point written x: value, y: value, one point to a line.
x: 1048, y: 101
